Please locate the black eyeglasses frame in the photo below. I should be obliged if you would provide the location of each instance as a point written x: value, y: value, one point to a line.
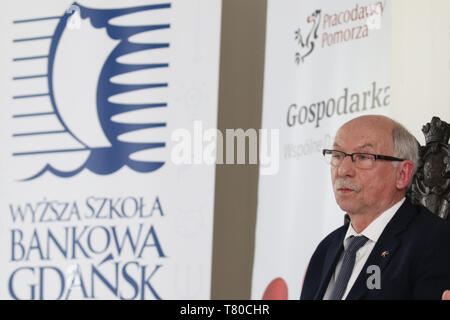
x: 376, y: 156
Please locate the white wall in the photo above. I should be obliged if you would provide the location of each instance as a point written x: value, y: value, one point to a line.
x: 420, y: 62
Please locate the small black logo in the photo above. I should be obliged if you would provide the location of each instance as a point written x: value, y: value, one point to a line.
x: 306, y: 45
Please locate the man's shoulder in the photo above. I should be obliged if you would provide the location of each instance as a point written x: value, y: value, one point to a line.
x: 333, y: 237
x: 428, y: 220
x: 429, y: 226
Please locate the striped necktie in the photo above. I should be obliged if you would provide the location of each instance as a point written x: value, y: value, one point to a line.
x: 348, y: 262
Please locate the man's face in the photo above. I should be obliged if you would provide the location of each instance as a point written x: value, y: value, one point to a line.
x: 360, y: 191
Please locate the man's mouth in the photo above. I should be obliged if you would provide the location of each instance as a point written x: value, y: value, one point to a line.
x: 345, y: 190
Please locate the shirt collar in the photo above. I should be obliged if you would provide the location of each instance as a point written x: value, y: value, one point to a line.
x: 376, y: 227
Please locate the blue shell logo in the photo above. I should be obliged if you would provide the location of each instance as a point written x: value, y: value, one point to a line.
x: 90, y: 108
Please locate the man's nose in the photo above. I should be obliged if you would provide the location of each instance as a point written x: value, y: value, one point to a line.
x: 347, y: 167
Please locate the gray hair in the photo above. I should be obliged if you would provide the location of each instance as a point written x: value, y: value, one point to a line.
x: 406, y: 145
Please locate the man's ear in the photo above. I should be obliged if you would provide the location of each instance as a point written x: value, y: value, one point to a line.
x: 404, y: 173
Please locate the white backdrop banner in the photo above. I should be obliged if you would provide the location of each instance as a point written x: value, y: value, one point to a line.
x: 326, y: 63
x: 92, y: 205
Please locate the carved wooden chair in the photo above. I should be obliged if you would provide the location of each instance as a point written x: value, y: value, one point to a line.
x: 431, y: 183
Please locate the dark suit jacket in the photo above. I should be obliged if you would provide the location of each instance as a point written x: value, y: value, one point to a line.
x: 416, y: 266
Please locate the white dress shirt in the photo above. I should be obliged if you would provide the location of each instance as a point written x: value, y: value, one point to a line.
x: 372, y: 232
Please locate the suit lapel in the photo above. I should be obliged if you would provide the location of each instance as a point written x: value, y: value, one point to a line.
x: 380, y: 256
x: 333, y: 253
x: 384, y: 249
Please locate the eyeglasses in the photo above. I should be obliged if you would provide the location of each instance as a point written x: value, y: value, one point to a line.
x: 361, y: 160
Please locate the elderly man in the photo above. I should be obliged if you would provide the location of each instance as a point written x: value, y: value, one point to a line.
x: 392, y: 249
